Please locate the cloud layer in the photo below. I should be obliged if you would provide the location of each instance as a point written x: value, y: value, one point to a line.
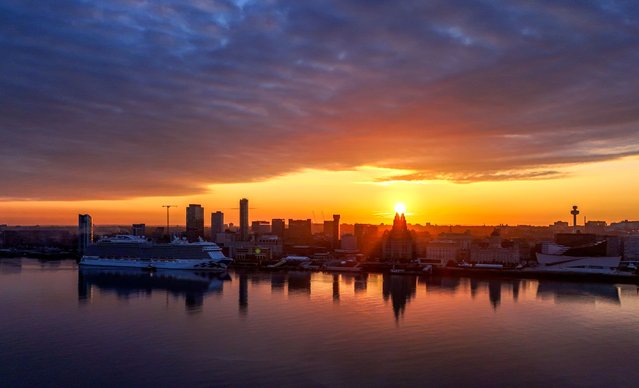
x: 113, y: 99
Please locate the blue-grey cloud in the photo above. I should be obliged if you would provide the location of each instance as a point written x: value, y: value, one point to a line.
x: 111, y: 99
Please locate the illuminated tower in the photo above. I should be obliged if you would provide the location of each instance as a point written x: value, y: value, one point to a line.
x: 244, y: 219
x: 574, y: 213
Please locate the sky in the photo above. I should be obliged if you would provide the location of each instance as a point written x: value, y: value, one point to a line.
x: 469, y: 112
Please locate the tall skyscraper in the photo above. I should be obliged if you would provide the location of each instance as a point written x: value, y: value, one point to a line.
x: 217, y: 224
x: 194, y: 222
x: 336, y: 235
x: 244, y: 219
x: 277, y: 227
x: 85, y: 232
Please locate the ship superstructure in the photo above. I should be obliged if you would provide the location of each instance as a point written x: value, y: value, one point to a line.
x: 136, y: 251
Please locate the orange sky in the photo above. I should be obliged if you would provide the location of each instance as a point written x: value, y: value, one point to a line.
x: 468, y: 113
x: 603, y: 191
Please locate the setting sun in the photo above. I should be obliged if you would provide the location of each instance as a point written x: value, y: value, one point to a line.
x: 400, y: 208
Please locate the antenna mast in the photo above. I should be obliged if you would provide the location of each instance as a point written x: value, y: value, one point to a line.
x: 168, y: 232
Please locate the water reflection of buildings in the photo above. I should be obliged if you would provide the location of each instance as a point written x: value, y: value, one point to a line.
x: 299, y: 283
x: 578, y: 292
x: 546, y: 290
x: 10, y: 266
x: 400, y: 289
x: 296, y: 282
x: 126, y: 283
x: 243, y: 293
x: 361, y: 283
x: 476, y: 286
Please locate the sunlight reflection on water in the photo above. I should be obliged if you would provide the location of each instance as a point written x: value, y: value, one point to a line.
x: 64, y: 326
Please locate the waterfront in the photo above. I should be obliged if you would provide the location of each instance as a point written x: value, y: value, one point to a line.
x: 66, y: 327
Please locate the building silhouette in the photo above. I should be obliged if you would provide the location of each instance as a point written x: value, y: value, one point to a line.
x: 367, y: 237
x: 495, y: 250
x: 244, y: 219
x: 575, y: 213
x: 328, y: 229
x: 331, y: 231
x: 336, y: 235
x: 397, y: 243
x: 194, y: 222
x: 85, y: 232
x: 277, y: 227
x: 260, y: 227
x: 138, y: 229
x: 299, y: 231
x: 217, y: 224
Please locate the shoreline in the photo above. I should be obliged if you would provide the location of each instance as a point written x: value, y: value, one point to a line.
x: 487, y: 273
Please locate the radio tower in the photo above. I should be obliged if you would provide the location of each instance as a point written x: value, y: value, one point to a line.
x: 168, y: 232
x: 574, y: 213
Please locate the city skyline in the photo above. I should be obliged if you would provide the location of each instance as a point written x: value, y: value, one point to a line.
x: 350, y: 193
x: 232, y: 217
x: 470, y: 113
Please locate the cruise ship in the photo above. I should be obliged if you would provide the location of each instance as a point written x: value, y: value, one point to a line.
x: 137, y: 252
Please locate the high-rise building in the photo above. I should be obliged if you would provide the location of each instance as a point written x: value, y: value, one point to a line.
x: 277, y: 227
x: 85, y: 232
x: 367, y: 237
x: 217, y: 224
x: 336, y: 235
x: 299, y: 231
x: 138, y: 229
x: 260, y: 227
x: 244, y: 219
x: 194, y: 222
x: 328, y: 229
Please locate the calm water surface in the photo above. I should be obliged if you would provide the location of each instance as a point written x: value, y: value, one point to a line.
x: 60, y: 326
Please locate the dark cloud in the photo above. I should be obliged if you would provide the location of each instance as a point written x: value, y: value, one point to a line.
x: 111, y: 99
x: 474, y: 177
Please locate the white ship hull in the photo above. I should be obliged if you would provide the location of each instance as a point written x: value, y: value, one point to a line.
x: 185, y: 264
x: 124, y: 251
x: 578, y: 264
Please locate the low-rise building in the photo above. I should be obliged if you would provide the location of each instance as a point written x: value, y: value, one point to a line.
x: 494, y: 250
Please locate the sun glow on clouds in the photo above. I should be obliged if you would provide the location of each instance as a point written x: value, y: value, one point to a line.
x: 601, y: 190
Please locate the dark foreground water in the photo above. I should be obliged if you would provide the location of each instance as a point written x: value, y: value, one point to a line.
x: 60, y: 326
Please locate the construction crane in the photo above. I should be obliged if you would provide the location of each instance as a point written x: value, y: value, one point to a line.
x: 167, y: 218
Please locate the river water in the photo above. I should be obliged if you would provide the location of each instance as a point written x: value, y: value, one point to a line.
x: 61, y: 326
